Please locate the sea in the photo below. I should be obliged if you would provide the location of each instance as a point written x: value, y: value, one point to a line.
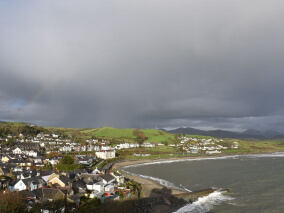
x: 256, y: 181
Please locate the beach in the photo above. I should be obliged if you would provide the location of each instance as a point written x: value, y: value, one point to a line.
x: 149, y: 187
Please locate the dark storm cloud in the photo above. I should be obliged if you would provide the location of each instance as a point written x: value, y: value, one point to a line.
x: 169, y: 63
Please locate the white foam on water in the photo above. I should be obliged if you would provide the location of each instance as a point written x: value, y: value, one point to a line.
x: 276, y: 154
x: 181, y: 160
x: 205, y: 204
x: 270, y: 155
x: 158, y: 180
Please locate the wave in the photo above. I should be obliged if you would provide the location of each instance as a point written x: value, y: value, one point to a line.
x: 181, y: 160
x: 158, y: 180
x: 276, y: 154
x: 205, y: 204
x: 269, y: 155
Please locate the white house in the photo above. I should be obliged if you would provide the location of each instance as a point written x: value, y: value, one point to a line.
x: 19, y: 186
x: 99, y: 186
x: 17, y: 151
x: 147, y: 144
x: 31, y: 153
x: 213, y: 152
x: 107, y: 154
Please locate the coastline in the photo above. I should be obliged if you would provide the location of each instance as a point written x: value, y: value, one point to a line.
x: 149, y: 186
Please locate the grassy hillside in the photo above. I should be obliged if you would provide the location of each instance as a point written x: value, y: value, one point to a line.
x: 128, y: 135
x: 109, y: 132
x: 12, y: 124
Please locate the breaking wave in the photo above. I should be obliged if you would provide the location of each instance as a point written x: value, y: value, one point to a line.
x: 205, y: 204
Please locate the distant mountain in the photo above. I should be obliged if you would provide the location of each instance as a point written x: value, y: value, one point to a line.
x: 216, y: 133
x: 252, y: 132
x: 278, y: 137
x: 271, y: 133
x: 268, y: 133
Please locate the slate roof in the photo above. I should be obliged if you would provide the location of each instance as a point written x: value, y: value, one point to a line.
x: 78, y: 184
x: 35, y: 180
x: 47, y: 172
x: 13, y: 183
x: 65, y: 179
x: 49, y: 193
x: 108, y: 177
x: 26, y: 194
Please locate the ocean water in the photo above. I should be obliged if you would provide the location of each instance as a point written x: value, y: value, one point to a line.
x: 257, y: 181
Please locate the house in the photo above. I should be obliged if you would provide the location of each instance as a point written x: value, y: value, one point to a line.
x: 96, y: 171
x: 147, y: 144
x: 17, y: 151
x: 108, y: 178
x: 97, y: 186
x: 106, y: 154
x: 85, y: 160
x: 213, y: 152
x: 27, y: 195
x: 79, y: 188
x: 29, y: 183
x: 5, y: 159
x: 46, y: 174
x: 194, y: 151
x: 31, y: 153
x: 49, y: 194
x: 109, y: 189
x: 118, y: 177
x: 61, y: 180
x: 75, y: 174
x: 28, y: 174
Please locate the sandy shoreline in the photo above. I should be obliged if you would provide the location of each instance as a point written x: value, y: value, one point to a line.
x: 148, y: 186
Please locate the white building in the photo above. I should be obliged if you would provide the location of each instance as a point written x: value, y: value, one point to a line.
x: 107, y: 154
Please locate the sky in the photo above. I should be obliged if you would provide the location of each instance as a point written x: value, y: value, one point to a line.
x: 143, y: 64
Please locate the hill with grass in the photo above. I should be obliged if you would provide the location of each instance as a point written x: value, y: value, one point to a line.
x: 103, y: 133
x: 131, y: 135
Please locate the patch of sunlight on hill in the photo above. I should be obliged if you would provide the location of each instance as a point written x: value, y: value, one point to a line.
x: 154, y: 135
x: 112, y: 133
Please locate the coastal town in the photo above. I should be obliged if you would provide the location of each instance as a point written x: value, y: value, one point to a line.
x: 29, y: 170
x: 48, y: 171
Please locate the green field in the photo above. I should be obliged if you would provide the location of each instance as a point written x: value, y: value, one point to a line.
x: 127, y: 134
x: 109, y: 132
x: 13, y: 124
x: 262, y: 146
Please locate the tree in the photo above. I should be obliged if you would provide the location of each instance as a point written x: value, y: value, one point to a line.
x: 11, y: 203
x: 140, y: 136
x: 11, y: 142
x: 67, y: 159
x: 165, y: 143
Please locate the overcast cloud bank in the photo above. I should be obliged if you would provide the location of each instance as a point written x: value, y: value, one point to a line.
x: 209, y: 64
